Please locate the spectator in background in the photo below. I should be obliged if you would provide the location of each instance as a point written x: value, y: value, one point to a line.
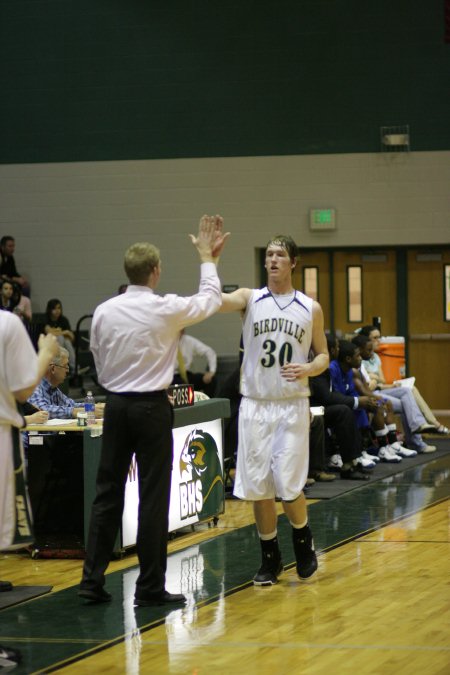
x: 404, y: 403
x: 317, y: 459
x: 6, y: 296
x: 383, y: 422
x: 341, y: 372
x: 22, y: 304
x: 8, y: 268
x: 58, y: 325
x: 32, y: 415
x: 340, y: 419
x: 343, y: 378
x: 122, y: 289
x: 375, y: 371
x: 47, y: 396
x: 188, y: 349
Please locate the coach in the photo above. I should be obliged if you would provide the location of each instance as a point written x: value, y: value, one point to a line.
x: 134, y: 339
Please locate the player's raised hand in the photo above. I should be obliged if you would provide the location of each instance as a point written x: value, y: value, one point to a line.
x: 205, y: 235
x: 220, y: 237
x: 210, y: 239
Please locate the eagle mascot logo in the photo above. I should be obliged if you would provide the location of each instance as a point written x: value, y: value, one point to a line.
x: 201, y: 487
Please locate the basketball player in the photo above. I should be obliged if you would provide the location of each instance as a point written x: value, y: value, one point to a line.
x: 20, y: 370
x: 280, y: 327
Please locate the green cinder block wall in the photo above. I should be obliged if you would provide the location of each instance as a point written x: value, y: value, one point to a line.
x: 85, y: 80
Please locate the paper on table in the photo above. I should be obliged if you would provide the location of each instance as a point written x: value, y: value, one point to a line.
x: 407, y: 382
x: 60, y: 423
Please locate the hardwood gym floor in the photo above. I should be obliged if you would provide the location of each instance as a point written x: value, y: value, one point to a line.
x: 380, y: 602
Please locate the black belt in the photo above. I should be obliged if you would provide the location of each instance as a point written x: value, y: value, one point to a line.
x: 139, y: 394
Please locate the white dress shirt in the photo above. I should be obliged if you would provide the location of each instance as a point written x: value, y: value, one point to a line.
x: 134, y: 336
x: 191, y: 347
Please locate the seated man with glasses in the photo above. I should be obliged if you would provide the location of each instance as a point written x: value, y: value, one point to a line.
x: 47, y: 396
x: 55, y: 466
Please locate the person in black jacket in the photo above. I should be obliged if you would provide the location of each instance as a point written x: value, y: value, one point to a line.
x: 339, y: 417
x: 8, y: 269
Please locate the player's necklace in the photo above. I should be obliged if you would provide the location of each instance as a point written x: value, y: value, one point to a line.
x: 280, y: 297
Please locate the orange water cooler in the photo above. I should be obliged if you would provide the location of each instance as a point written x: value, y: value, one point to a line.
x: 392, y: 354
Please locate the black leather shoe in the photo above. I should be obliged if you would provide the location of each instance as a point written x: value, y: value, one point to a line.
x: 354, y: 474
x: 5, y: 586
x: 99, y: 595
x: 323, y: 476
x: 164, y: 598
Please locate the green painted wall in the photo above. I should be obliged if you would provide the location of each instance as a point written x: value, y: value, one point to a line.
x: 110, y: 79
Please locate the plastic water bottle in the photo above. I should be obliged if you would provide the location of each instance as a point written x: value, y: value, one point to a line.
x: 89, y: 407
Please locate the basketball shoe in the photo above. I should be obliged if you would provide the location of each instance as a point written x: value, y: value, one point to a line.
x: 335, y: 462
x: 365, y: 462
x: 371, y: 458
x: 387, y: 455
x: 271, y: 564
x: 305, y: 554
x: 402, y: 451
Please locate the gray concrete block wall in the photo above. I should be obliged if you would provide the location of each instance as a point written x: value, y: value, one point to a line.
x: 73, y: 221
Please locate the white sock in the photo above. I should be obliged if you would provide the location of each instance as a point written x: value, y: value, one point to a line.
x: 299, y: 527
x: 267, y: 537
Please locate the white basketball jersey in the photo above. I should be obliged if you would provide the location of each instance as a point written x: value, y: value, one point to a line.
x: 277, y: 329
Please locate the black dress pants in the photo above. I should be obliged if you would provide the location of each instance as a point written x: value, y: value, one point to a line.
x: 317, y: 461
x: 341, y: 420
x: 140, y: 424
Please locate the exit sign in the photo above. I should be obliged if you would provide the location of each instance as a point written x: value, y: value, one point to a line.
x: 322, y: 219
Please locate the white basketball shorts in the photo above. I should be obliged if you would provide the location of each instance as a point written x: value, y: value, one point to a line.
x: 273, y: 449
